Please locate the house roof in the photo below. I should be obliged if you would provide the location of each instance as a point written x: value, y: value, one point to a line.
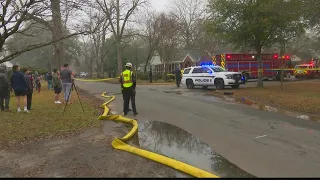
x: 195, y: 54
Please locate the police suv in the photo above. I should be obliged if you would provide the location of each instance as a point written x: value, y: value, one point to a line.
x: 211, y: 76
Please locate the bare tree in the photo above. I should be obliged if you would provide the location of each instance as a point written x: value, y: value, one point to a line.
x: 13, y: 14
x: 188, y: 13
x: 170, y: 39
x: 151, y: 35
x: 118, y: 13
x: 205, y: 42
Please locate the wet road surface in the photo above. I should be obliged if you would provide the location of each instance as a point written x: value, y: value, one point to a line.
x: 264, y: 144
x: 174, y: 142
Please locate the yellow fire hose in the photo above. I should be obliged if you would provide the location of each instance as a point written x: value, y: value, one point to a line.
x: 119, y: 143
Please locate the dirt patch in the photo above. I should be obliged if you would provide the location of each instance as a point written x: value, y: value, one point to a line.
x: 300, y: 96
x: 87, y: 154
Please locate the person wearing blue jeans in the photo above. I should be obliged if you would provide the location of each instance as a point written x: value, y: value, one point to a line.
x: 66, y: 80
x: 66, y: 87
x: 49, y: 80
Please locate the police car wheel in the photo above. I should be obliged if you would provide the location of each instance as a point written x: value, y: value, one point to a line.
x: 190, y: 84
x: 219, y: 84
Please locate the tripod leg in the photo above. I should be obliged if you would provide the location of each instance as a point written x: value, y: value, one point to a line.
x: 67, y: 100
x: 78, y: 97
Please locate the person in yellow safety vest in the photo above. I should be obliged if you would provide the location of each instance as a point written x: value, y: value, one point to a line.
x: 128, y: 84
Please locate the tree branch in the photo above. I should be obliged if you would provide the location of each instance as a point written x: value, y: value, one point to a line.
x: 37, y: 46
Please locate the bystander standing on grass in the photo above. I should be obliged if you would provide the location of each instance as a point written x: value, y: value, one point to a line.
x: 49, y: 80
x: 38, y: 84
x: 56, y: 82
x: 4, y: 90
x: 29, y: 81
x: 66, y: 79
x: 20, y: 88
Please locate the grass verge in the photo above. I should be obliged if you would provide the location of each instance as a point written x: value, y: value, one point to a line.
x: 46, y: 118
x: 297, y: 96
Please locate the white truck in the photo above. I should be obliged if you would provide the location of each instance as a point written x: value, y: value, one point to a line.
x: 206, y: 76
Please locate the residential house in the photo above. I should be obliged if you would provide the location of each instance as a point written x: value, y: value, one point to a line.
x: 183, y: 59
x: 295, y: 58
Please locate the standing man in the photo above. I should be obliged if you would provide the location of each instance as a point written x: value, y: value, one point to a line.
x: 66, y: 80
x: 49, y: 80
x: 20, y: 87
x: 35, y: 77
x: 128, y: 84
x: 150, y: 75
x: 29, y: 81
x: 56, y: 86
x: 4, y: 90
x: 178, y: 77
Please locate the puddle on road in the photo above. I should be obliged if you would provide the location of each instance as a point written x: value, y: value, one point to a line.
x: 176, y: 143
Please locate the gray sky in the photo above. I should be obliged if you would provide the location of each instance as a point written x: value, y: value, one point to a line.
x: 160, y: 5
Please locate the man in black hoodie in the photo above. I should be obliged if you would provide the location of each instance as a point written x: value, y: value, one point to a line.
x: 20, y: 87
x: 4, y: 90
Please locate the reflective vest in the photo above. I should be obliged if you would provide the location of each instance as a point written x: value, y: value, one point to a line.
x: 126, y: 78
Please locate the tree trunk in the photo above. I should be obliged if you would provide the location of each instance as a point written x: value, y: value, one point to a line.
x: 260, y: 68
x: 102, y: 53
x: 57, y: 33
x: 119, y: 57
x: 90, y: 68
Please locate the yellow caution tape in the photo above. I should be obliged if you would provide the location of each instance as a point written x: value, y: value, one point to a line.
x: 119, y: 143
x: 96, y: 80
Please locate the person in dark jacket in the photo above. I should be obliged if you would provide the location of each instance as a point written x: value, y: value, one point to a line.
x: 57, y: 86
x: 29, y: 81
x: 178, y: 77
x: 49, y: 80
x: 4, y: 90
x: 20, y: 87
x: 38, y: 84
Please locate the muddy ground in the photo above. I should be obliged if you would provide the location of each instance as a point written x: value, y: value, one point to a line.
x: 84, y: 154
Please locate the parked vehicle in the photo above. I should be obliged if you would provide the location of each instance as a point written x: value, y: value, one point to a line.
x: 83, y: 74
x: 209, y: 75
x: 247, y: 64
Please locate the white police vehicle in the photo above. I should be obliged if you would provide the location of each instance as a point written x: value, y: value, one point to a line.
x: 210, y: 75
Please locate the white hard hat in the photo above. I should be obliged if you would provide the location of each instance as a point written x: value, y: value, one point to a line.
x: 128, y: 65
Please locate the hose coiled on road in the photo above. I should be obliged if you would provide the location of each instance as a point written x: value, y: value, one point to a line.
x: 119, y: 143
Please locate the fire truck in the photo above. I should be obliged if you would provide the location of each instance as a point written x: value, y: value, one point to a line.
x: 310, y: 70
x: 248, y: 64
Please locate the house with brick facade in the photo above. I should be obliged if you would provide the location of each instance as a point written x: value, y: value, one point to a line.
x: 183, y: 59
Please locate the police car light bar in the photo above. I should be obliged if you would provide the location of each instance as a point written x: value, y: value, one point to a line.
x: 207, y: 65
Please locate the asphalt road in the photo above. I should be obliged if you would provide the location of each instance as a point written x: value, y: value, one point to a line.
x: 262, y: 143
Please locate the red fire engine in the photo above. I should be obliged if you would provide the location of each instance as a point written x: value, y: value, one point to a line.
x: 310, y: 70
x: 248, y: 64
